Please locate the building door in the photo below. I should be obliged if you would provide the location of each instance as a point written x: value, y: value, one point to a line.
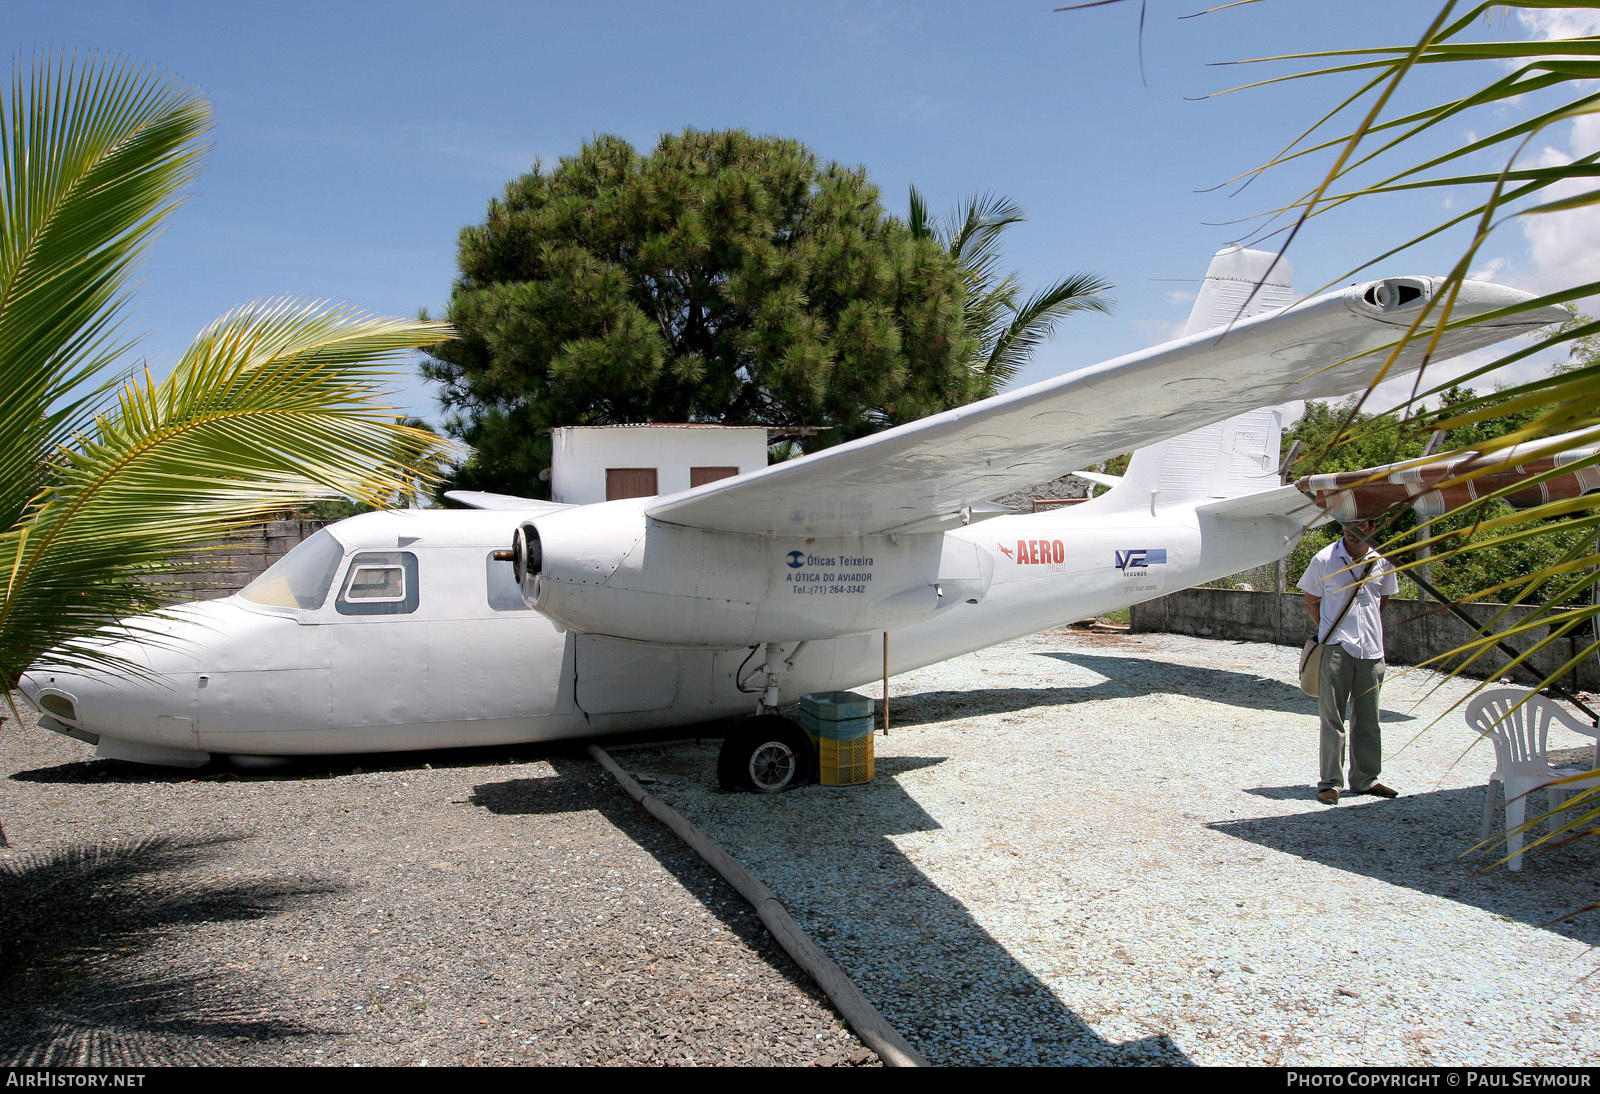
x: 699, y: 476
x: 630, y: 482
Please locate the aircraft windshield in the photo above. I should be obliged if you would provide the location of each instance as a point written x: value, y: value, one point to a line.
x: 299, y: 579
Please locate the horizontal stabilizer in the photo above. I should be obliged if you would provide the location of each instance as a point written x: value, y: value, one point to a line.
x: 1282, y: 501
x: 1097, y: 477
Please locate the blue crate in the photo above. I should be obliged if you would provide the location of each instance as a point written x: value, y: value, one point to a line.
x: 844, y: 729
x: 836, y: 706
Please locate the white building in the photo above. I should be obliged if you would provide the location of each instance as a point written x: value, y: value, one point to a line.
x: 606, y: 462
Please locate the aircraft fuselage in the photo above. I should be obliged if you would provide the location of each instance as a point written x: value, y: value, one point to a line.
x: 448, y: 654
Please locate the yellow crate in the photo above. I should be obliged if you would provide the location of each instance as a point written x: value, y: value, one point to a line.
x: 844, y: 763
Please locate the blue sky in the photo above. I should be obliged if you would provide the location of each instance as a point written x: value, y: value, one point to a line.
x: 353, y: 141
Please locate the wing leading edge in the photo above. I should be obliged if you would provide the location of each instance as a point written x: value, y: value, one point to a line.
x: 482, y: 499
x: 922, y: 476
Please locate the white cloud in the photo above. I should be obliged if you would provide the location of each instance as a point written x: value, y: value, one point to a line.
x: 923, y: 108
x: 1157, y: 331
x: 1180, y: 296
x: 1565, y: 247
x: 1561, y: 249
x: 1567, y: 23
x: 1490, y: 270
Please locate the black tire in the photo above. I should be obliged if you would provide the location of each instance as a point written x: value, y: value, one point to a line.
x: 767, y: 754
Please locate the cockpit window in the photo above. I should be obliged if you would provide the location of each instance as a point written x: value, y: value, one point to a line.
x: 299, y: 579
x: 379, y: 583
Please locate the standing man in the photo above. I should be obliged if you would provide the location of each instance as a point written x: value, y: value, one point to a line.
x: 1352, y: 660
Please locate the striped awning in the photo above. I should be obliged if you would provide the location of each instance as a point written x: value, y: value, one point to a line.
x: 1433, y: 489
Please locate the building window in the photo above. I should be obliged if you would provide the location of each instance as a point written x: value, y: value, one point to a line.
x: 699, y: 476
x: 630, y: 482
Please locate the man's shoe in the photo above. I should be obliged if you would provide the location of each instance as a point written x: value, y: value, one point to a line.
x: 1329, y: 796
x: 1380, y: 791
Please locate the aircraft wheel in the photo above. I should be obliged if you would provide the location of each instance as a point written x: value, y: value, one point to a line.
x: 766, y: 754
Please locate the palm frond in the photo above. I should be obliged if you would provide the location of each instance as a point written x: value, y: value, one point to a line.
x: 1005, y: 331
x: 973, y: 231
x: 94, y: 155
x: 1562, y: 406
x: 1034, y: 321
x: 918, y: 218
x: 271, y: 404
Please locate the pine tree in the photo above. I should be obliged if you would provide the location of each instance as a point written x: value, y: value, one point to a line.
x: 721, y: 278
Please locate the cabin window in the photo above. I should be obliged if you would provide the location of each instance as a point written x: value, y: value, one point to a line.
x: 299, y: 579
x: 505, y: 595
x: 699, y: 476
x: 630, y: 482
x: 379, y: 583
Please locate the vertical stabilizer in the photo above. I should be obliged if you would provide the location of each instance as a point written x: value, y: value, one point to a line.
x: 1233, y: 275
x: 1233, y: 457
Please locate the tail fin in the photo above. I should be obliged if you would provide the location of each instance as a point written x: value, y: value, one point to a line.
x: 1234, y: 274
x: 1233, y: 457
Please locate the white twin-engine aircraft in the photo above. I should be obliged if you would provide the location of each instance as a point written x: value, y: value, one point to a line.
x: 418, y: 629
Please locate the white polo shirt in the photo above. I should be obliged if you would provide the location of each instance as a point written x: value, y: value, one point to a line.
x: 1331, y: 576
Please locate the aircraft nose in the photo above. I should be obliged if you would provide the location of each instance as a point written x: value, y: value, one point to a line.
x: 32, y: 684
x: 138, y: 683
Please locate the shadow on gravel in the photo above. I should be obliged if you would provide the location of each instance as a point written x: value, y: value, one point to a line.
x: 943, y: 981
x: 74, y: 923
x: 338, y: 765
x: 1416, y: 841
x: 1300, y: 792
x: 105, y: 771
x: 1236, y: 689
x: 581, y: 785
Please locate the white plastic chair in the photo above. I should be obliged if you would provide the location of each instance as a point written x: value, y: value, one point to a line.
x: 1520, y: 733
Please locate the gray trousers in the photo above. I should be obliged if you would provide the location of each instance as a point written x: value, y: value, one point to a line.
x: 1353, y: 682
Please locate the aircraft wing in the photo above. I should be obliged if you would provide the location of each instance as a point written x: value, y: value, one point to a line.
x: 482, y: 499
x: 920, y: 477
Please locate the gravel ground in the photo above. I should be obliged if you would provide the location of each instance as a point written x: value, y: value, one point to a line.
x: 1095, y: 848
x: 1080, y: 847
x: 446, y: 909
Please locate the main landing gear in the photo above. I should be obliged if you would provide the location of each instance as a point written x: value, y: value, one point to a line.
x: 767, y: 754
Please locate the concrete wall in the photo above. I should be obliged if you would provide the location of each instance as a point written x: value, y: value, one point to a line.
x: 582, y: 454
x: 239, y: 560
x: 1414, y: 630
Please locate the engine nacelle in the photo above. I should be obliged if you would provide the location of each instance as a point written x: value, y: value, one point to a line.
x: 610, y: 570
